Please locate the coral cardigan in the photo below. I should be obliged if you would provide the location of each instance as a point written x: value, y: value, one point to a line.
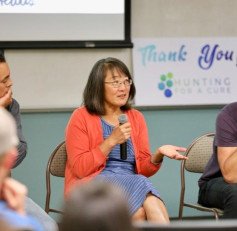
x: 84, y: 158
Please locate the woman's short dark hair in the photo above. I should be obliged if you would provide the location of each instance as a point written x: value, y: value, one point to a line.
x: 96, y: 206
x: 93, y: 96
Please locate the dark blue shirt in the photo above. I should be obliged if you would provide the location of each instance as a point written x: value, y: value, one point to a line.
x: 226, y: 136
x: 16, y: 220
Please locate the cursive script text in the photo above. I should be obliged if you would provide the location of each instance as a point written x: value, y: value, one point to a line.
x: 151, y: 54
x: 16, y: 2
x: 210, y: 54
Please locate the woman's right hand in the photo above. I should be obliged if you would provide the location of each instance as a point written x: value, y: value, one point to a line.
x: 121, y: 133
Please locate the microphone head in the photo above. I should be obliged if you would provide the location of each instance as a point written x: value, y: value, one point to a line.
x: 123, y: 118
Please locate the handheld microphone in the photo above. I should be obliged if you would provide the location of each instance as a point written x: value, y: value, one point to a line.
x: 123, y: 147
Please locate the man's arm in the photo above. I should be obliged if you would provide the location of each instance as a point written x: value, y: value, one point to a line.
x: 227, y: 158
x: 14, y: 109
x: 226, y: 142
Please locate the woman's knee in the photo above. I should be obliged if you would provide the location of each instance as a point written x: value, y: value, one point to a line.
x: 139, y: 215
x: 151, y: 201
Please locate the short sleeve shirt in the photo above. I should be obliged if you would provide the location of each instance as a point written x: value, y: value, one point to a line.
x: 226, y: 136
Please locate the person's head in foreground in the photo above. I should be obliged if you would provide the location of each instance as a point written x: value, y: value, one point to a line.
x: 96, y: 206
x: 8, y: 143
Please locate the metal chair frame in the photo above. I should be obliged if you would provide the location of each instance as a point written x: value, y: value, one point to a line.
x: 208, y: 139
x: 56, y: 167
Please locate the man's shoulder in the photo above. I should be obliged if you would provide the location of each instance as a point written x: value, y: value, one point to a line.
x: 14, y: 107
x: 226, y: 126
x: 230, y: 107
x: 14, y: 104
x: 229, y: 110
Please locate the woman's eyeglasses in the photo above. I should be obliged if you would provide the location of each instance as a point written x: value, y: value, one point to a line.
x: 117, y: 84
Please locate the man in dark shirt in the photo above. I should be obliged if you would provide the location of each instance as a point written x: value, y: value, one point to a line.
x: 13, y: 107
x: 218, y: 184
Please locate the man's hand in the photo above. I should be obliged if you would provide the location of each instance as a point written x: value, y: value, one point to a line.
x: 14, y: 193
x: 6, y: 99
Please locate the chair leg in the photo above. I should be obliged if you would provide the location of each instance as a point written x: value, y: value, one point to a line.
x: 181, y: 204
x: 181, y: 212
x: 47, y: 203
x: 216, y: 215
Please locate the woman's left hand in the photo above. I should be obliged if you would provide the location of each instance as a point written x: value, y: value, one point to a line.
x: 172, y: 152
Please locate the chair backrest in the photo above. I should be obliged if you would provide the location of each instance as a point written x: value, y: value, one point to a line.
x: 199, y: 152
x: 56, y: 167
x: 57, y: 161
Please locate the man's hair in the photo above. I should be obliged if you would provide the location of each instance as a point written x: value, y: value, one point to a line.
x: 2, y: 56
x: 93, y: 96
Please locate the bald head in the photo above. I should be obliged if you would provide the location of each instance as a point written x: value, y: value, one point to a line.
x: 8, y: 131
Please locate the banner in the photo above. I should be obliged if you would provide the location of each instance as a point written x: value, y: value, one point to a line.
x: 185, y: 71
x: 59, y: 6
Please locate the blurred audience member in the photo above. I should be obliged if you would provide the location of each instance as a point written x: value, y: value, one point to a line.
x: 96, y: 206
x: 12, y: 193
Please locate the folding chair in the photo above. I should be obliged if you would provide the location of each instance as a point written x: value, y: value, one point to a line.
x: 56, y: 167
x: 198, y: 153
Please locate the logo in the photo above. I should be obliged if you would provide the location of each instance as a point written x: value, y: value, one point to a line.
x: 165, y: 84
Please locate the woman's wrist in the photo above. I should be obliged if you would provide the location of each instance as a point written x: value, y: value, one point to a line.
x: 156, y: 163
x: 157, y: 158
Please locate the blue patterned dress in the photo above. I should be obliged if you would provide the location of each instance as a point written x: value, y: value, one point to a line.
x: 122, y: 173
